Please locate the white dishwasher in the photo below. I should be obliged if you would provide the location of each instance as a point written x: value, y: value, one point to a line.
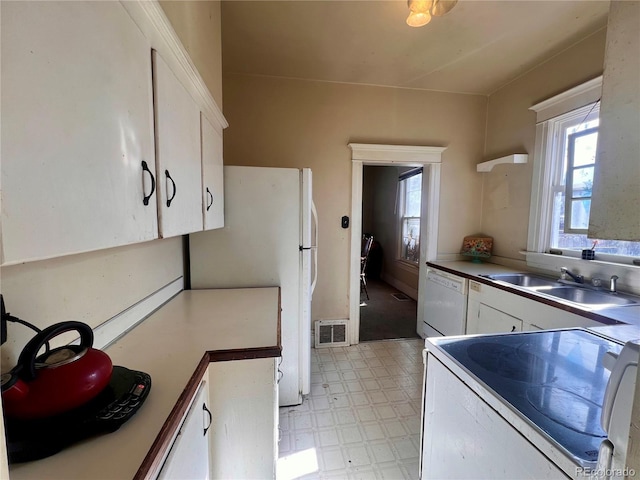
x: 445, y: 305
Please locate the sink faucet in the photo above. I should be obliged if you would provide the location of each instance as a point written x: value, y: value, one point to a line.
x: 612, y: 284
x: 576, y: 278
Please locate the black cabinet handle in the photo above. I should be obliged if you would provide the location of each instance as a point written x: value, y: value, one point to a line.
x: 209, y: 197
x: 513, y: 329
x: 145, y: 168
x: 205, y: 409
x: 169, y: 200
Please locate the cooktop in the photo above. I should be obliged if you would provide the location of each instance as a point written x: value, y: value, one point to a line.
x: 29, y: 440
x: 555, y: 379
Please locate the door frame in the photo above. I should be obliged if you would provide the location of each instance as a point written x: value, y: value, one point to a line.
x: 430, y: 159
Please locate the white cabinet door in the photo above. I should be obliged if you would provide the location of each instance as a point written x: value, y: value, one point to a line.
x: 76, y: 126
x: 491, y: 320
x: 179, y: 167
x: 212, y: 176
x: 244, y: 402
x: 189, y: 455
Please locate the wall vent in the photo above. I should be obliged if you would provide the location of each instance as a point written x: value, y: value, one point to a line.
x: 331, y: 333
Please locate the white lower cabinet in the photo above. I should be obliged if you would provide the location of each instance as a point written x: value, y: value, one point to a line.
x: 244, y: 403
x: 491, y: 320
x: 230, y: 430
x: 464, y: 437
x: 189, y: 457
x: 493, y: 310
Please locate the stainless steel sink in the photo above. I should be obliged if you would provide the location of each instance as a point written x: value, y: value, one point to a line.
x: 582, y: 295
x: 589, y: 297
x: 523, y: 279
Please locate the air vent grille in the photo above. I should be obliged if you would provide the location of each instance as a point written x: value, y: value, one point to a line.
x: 331, y: 333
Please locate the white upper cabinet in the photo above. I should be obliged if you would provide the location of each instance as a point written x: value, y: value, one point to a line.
x: 616, y: 182
x: 77, y: 123
x: 178, y: 159
x: 212, y: 176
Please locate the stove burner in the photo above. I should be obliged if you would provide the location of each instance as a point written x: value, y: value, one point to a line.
x: 504, y: 360
x: 567, y: 408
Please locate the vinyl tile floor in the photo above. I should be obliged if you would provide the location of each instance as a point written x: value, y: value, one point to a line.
x: 362, y: 417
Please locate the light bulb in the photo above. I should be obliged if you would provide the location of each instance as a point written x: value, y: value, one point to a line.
x: 418, y: 19
x: 440, y: 7
x: 420, y: 6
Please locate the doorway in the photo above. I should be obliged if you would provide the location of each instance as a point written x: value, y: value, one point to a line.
x: 391, y: 211
x: 393, y: 155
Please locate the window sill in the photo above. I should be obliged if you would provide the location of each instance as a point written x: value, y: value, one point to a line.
x: 628, y: 275
x: 408, y: 266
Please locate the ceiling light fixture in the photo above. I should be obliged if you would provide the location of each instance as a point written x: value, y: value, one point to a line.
x: 421, y: 11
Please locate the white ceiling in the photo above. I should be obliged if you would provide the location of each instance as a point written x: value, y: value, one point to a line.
x: 478, y: 47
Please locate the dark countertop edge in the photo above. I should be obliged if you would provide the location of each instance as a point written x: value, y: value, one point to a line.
x: 151, y: 463
x: 547, y: 301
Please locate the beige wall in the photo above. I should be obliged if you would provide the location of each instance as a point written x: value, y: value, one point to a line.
x: 88, y: 287
x: 511, y: 129
x: 292, y: 123
x: 197, y: 23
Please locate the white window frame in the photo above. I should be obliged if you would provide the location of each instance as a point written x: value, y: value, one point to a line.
x: 571, y: 171
x: 577, y: 100
x: 549, y: 165
x: 402, y: 198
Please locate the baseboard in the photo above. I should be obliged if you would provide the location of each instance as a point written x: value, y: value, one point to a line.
x: 403, y: 287
x: 108, y: 332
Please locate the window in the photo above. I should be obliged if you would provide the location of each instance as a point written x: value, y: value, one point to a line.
x: 410, y: 201
x: 566, y: 146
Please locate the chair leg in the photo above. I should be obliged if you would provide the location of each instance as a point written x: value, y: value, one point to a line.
x: 363, y: 285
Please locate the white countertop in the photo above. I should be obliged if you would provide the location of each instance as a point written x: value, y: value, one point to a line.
x: 168, y: 346
x: 626, y: 314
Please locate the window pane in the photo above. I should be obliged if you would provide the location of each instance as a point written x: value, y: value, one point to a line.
x: 411, y: 239
x: 413, y: 204
x: 413, y: 196
x: 557, y: 225
x: 582, y: 182
x: 580, y: 213
x: 585, y: 150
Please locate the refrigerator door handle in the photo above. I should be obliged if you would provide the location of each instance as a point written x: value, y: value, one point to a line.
x: 314, y: 215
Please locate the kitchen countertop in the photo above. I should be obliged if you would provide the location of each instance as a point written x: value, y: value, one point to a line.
x: 609, y: 316
x: 169, y: 345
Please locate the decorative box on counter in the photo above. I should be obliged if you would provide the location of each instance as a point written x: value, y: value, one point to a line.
x: 477, y: 247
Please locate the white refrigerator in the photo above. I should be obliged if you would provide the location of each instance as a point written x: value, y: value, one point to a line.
x: 269, y: 239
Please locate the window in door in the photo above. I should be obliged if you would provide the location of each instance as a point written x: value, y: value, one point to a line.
x: 410, y: 202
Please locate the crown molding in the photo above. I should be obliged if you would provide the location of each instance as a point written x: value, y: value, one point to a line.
x: 156, y: 27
